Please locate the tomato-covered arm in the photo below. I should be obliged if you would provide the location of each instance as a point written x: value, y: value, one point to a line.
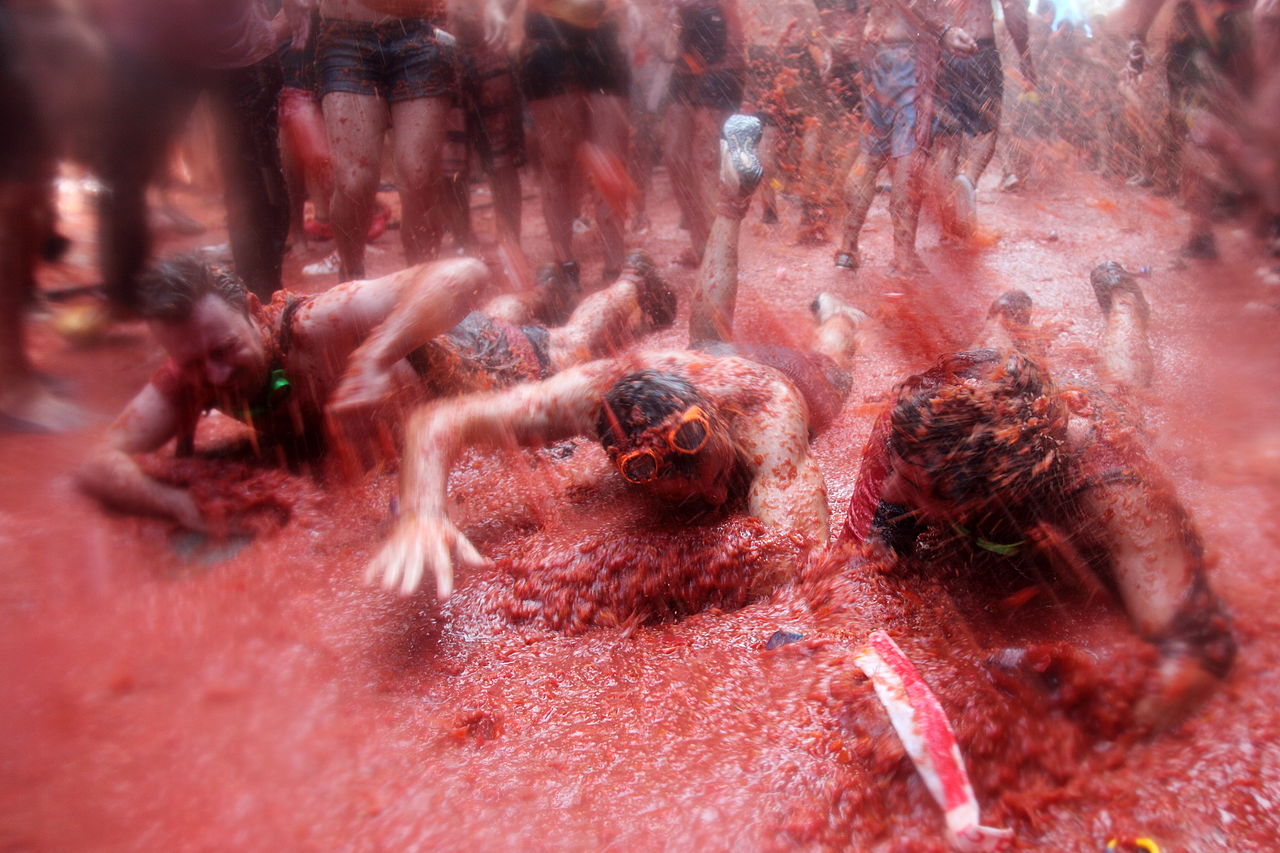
x: 425, y: 540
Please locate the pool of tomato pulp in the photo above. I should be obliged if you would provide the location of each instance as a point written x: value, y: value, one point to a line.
x: 606, y: 684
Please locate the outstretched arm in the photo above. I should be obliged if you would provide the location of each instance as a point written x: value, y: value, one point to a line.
x: 425, y: 540
x: 787, y: 491
x: 111, y: 474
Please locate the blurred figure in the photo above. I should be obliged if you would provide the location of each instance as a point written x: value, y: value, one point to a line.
x: 788, y: 57
x: 576, y: 80
x: 27, y: 152
x: 383, y: 65
x: 304, y: 142
x: 164, y: 53
x: 706, y: 87
x: 895, y: 49
x: 983, y: 458
x: 1209, y: 67
x: 493, y: 106
x: 970, y: 93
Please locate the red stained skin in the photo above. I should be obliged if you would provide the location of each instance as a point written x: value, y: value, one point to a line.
x: 605, y: 683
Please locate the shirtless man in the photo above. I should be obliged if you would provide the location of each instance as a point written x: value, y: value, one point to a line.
x: 983, y: 451
x: 686, y: 427
x: 970, y: 91
x: 381, y: 63
x: 345, y: 354
x: 896, y: 37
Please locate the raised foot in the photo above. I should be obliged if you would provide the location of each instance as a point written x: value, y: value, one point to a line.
x: 827, y: 305
x: 560, y: 286
x: 1110, y: 279
x: 657, y: 300
x: 1013, y: 307
x: 740, y: 167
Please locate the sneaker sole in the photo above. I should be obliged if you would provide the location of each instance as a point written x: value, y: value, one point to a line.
x: 741, y: 135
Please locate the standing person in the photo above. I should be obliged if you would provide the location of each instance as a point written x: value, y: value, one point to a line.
x: 970, y: 92
x: 706, y: 87
x: 898, y: 37
x: 164, y: 53
x: 26, y: 220
x: 576, y: 80
x: 381, y: 64
x: 494, y: 108
x: 984, y: 455
x: 1209, y: 66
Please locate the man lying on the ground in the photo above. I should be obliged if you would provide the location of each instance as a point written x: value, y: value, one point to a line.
x: 303, y: 366
x: 983, y: 451
x: 690, y: 428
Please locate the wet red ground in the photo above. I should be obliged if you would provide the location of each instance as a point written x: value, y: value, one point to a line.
x: 162, y: 698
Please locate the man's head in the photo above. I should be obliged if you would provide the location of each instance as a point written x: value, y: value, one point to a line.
x: 978, y: 432
x: 663, y: 435
x: 199, y: 312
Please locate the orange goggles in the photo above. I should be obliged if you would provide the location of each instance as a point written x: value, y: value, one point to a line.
x: 687, y: 436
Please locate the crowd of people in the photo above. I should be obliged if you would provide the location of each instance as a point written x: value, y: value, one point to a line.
x: 737, y: 98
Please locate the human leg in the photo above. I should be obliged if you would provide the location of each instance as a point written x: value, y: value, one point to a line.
x: 559, y: 124
x: 610, y: 132
x: 859, y: 192
x: 712, y: 306
x: 356, y: 124
x: 147, y: 107
x: 904, y: 211
x: 608, y: 320
x: 257, y: 201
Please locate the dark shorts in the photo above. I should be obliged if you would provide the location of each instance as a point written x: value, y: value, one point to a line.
x: 397, y: 61
x: 709, y: 74
x: 495, y: 110
x: 889, y: 105
x: 822, y: 383
x: 482, y: 354
x: 970, y: 89
x: 560, y: 58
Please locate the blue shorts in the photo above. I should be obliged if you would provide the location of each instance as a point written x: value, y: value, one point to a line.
x: 889, y: 103
x: 397, y: 61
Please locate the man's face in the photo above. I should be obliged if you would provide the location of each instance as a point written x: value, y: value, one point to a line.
x: 217, y: 344
x: 704, y: 478
x: 685, y: 458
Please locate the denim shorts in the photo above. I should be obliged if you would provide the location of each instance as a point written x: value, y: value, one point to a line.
x: 397, y: 61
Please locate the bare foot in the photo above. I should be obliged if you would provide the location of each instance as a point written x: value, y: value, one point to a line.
x: 827, y: 305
